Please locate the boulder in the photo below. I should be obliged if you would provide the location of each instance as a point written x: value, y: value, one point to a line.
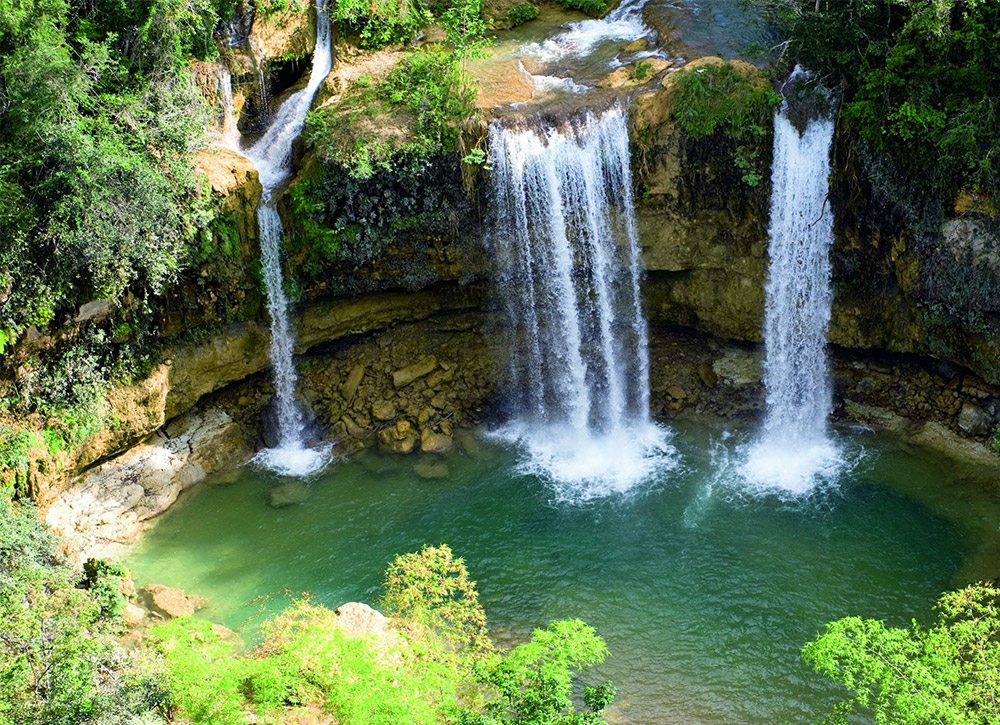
x: 383, y: 410
x: 707, y: 375
x: 350, y: 386
x: 170, y: 602
x: 358, y: 619
x: 400, y: 438
x: 431, y: 442
x: 974, y: 421
x: 405, y: 376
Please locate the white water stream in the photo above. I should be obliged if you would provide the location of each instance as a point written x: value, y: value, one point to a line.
x: 272, y: 157
x: 565, y: 236
x: 795, y: 450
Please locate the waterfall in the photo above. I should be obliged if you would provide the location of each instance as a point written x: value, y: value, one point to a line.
x: 564, y: 233
x: 794, y: 448
x: 272, y: 157
x: 230, y: 132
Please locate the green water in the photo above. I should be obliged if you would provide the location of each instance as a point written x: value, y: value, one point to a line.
x: 704, y: 593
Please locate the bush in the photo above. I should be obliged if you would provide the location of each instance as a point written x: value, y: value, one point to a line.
x: 435, y: 666
x: 725, y: 99
x: 520, y: 14
x: 594, y: 8
x: 948, y: 672
x: 59, y: 662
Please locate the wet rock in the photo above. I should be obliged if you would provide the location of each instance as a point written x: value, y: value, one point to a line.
x: 707, y: 375
x: 383, y: 410
x: 636, y: 46
x: 431, y: 442
x: 350, y: 386
x: 431, y: 471
x: 170, y: 602
x: 400, y: 438
x: 96, y: 310
x: 289, y: 494
x: 405, y: 376
x: 468, y: 442
x: 974, y: 421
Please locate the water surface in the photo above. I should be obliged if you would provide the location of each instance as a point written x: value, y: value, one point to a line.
x: 704, y: 590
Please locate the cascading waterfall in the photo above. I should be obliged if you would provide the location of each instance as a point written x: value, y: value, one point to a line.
x: 564, y: 232
x: 795, y: 448
x: 272, y: 157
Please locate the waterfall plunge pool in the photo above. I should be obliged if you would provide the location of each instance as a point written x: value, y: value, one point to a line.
x: 704, y: 591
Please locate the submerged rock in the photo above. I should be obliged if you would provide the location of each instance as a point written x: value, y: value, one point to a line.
x: 289, y: 494
x: 431, y: 471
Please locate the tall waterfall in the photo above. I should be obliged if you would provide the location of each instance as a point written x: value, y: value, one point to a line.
x: 564, y: 233
x: 272, y: 157
x: 795, y: 448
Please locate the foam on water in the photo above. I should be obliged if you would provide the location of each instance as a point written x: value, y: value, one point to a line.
x: 580, y: 38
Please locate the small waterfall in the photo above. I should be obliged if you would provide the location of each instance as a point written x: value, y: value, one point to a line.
x: 564, y: 233
x: 795, y: 448
x: 272, y: 157
x: 230, y: 132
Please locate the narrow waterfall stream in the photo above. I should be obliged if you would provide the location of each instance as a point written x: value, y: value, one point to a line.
x: 795, y: 448
x: 272, y: 156
x: 564, y: 233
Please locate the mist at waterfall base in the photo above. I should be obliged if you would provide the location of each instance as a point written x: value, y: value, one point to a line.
x: 272, y: 157
x: 563, y: 233
x: 704, y: 592
x: 795, y: 451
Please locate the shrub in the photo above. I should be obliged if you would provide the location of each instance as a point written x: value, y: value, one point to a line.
x: 728, y: 100
x: 594, y: 8
x: 520, y: 14
x: 948, y: 672
x: 59, y: 662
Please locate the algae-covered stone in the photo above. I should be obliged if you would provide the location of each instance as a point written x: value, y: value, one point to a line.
x: 289, y: 494
x: 431, y: 470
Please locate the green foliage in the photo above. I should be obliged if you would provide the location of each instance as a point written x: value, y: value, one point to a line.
x: 641, y: 70
x: 594, y: 8
x: 98, y: 119
x: 533, y: 682
x: 432, y: 588
x: 59, y: 663
x: 435, y: 665
x: 382, y: 22
x: 728, y: 100
x: 996, y: 440
x: 948, y: 672
x: 520, y: 14
x: 920, y: 79
x: 103, y: 579
x: 14, y: 446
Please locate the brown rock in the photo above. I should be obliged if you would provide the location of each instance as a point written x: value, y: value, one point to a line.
x: 405, y: 376
x: 383, y: 410
x: 350, y: 386
x: 170, y: 602
x: 974, y: 421
x: 676, y: 392
x: 400, y: 438
x: 707, y: 375
x: 353, y: 429
x: 431, y: 442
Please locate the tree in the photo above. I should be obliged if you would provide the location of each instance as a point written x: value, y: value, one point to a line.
x: 947, y: 673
